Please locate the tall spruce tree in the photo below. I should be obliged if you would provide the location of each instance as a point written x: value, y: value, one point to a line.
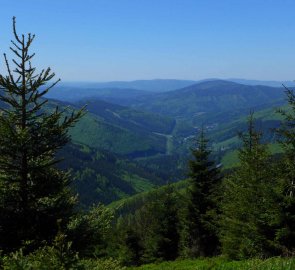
x: 162, y: 235
x: 34, y: 195
x: 286, y: 234
x: 199, y: 236
x: 249, y: 209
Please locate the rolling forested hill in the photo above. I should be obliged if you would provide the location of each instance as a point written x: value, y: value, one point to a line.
x: 98, y: 89
x: 210, y: 97
x: 118, y: 151
x: 119, y: 129
x: 102, y: 176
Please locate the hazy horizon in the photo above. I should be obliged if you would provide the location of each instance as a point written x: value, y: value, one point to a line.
x: 172, y: 79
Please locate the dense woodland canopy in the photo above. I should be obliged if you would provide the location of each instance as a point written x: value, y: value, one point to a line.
x: 246, y: 212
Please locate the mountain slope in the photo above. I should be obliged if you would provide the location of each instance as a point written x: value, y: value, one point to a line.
x: 156, y: 85
x: 102, y: 176
x: 117, y: 91
x: 129, y: 118
x: 96, y: 132
x: 210, y: 97
x: 118, y: 129
x: 265, y: 83
x: 116, y: 95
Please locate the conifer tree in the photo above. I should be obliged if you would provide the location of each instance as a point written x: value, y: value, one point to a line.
x: 249, y: 208
x: 199, y: 236
x: 162, y: 235
x: 131, y: 249
x: 127, y: 241
x: 34, y: 195
x: 286, y: 234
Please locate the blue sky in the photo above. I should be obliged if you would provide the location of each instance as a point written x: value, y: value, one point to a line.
x: 102, y: 40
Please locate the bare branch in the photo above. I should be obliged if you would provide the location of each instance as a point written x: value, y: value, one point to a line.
x: 15, y: 33
x: 9, y: 71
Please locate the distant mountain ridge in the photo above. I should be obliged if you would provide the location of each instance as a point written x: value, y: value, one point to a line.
x: 128, y: 92
x: 164, y: 85
x: 155, y: 85
x: 265, y: 83
x: 210, y: 96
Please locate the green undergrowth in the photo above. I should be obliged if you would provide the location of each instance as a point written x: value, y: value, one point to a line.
x: 221, y: 264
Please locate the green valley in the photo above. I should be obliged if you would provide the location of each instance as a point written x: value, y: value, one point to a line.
x: 159, y: 144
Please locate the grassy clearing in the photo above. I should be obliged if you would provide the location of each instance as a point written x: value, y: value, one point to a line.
x: 222, y: 264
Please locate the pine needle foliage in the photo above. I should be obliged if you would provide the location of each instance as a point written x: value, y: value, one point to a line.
x: 249, y: 209
x: 199, y: 236
x: 286, y: 132
x: 34, y: 195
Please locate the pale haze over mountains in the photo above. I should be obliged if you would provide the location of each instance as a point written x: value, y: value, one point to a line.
x: 69, y: 91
